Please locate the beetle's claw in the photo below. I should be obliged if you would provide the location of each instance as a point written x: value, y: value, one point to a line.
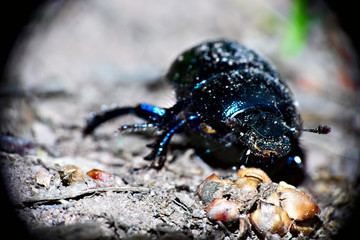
x: 151, y: 156
x: 158, y: 158
x: 151, y: 145
x: 158, y: 163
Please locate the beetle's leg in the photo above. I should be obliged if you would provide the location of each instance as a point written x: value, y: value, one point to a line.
x: 171, y: 113
x: 148, y: 112
x: 158, y: 155
x: 134, y: 127
x: 162, y: 123
x: 159, y: 151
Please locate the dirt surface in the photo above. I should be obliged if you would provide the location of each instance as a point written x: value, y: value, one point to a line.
x: 79, y: 55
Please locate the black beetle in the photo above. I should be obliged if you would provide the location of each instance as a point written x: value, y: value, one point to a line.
x: 231, y: 95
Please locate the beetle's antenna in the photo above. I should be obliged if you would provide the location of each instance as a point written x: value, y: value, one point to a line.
x: 321, y: 129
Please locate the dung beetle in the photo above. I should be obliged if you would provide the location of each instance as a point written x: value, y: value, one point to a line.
x: 230, y: 95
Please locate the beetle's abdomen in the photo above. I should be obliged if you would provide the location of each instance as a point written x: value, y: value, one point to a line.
x: 211, y: 58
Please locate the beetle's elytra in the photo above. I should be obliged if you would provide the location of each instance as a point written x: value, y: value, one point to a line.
x: 229, y: 94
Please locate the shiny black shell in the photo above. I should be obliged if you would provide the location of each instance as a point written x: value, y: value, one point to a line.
x: 210, y: 58
x: 222, y: 77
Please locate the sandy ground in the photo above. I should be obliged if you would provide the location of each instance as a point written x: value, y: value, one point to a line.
x: 79, y: 56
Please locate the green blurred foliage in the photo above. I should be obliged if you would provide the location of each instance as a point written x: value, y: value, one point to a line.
x: 297, y: 30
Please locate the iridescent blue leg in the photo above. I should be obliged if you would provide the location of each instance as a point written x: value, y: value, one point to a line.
x: 158, y: 155
x: 148, y: 112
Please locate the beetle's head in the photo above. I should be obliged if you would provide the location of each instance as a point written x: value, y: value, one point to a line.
x: 266, y: 134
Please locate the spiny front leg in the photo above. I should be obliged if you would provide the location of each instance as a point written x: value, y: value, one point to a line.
x: 135, y: 127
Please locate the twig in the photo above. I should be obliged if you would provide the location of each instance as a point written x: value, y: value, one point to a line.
x: 50, y: 196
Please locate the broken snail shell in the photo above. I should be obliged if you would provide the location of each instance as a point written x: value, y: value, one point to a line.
x: 223, y: 210
x: 297, y: 204
x: 269, y: 218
